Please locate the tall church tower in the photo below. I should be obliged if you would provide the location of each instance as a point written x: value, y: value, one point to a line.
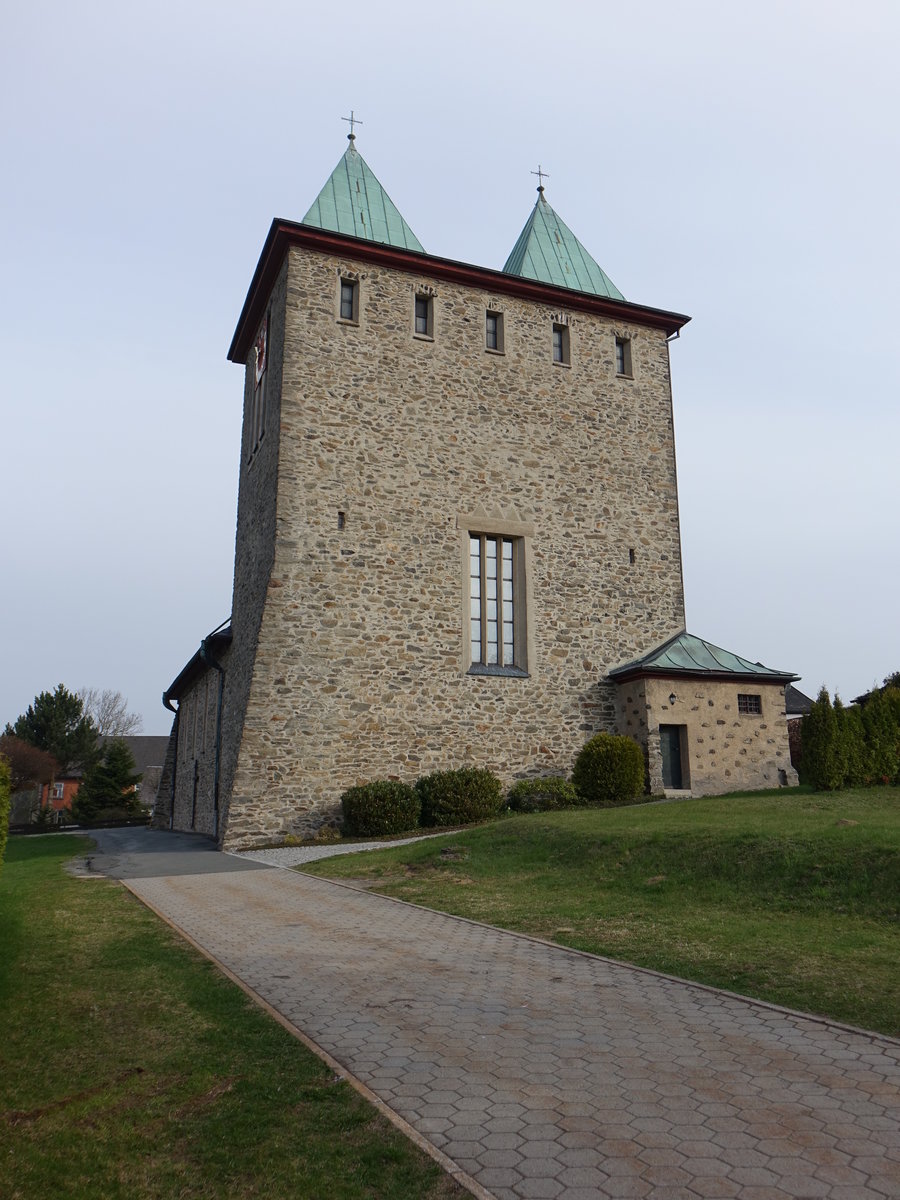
x: 457, y: 508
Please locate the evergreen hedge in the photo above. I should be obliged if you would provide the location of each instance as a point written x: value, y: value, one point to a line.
x: 853, y: 746
x: 542, y: 795
x: 383, y: 807
x: 609, y: 770
x: 459, y: 797
x: 5, y: 778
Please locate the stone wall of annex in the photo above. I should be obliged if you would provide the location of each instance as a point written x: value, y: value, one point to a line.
x: 389, y: 443
x: 726, y: 750
x: 192, y: 767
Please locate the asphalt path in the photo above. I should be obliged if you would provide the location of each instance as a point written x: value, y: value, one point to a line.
x: 136, y: 852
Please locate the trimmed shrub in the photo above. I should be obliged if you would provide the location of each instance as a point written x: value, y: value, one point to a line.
x: 542, y: 795
x: 609, y: 770
x: 4, y: 806
x: 459, y: 797
x: 384, y: 806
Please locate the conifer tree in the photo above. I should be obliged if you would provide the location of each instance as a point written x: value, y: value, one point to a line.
x: 109, y: 784
x: 56, y: 722
x: 822, y: 760
x: 882, y: 738
x: 853, y: 744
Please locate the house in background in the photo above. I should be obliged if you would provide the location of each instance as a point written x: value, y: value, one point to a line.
x: 148, y: 751
x: 797, y: 705
x: 457, y: 536
x: 59, y: 794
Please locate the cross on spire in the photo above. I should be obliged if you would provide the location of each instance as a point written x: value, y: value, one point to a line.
x: 351, y: 121
x: 542, y: 175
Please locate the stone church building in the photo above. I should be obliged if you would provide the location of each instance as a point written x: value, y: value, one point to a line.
x: 457, y: 534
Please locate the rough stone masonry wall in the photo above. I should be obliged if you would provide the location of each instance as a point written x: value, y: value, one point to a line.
x: 162, y: 808
x: 193, y: 807
x: 253, y: 556
x: 360, y: 670
x: 727, y: 751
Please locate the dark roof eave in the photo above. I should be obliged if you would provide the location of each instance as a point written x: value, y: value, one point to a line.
x: 195, y: 664
x: 627, y: 674
x: 283, y: 235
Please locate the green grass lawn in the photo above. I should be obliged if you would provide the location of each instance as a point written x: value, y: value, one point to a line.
x: 129, y: 1067
x: 788, y: 896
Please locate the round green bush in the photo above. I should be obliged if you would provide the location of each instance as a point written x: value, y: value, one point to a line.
x: 384, y: 806
x: 542, y: 795
x: 459, y: 797
x: 609, y: 770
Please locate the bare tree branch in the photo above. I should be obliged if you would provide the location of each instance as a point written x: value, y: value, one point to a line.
x: 109, y: 712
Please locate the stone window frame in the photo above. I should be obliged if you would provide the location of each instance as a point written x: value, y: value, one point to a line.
x: 348, y: 283
x: 495, y: 314
x: 561, y: 346
x: 259, y: 377
x: 624, y: 357
x: 423, y: 299
x: 521, y: 534
x: 749, y: 704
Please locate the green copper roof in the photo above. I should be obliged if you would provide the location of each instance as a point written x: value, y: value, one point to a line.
x: 354, y: 202
x: 686, y: 653
x: 549, y: 252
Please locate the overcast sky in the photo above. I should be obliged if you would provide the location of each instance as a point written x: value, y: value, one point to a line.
x: 739, y: 163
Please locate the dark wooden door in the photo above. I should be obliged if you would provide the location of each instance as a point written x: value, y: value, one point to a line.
x: 670, y: 744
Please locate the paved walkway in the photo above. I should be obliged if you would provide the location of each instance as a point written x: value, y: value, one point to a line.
x: 543, y: 1072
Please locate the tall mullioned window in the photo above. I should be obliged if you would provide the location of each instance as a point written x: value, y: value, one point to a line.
x: 257, y: 412
x: 493, y: 600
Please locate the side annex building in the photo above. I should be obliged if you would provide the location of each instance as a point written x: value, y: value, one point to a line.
x: 457, y: 535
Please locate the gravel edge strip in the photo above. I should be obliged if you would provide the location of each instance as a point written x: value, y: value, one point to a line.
x: 294, y: 856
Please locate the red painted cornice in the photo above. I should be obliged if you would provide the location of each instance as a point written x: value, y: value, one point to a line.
x: 285, y: 234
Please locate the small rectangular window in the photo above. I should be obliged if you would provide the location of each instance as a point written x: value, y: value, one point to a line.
x: 493, y: 331
x: 58, y: 791
x: 561, y: 344
x: 349, y: 303
x: 424, y: 316
x: 623, y: 356
x: 750, y: 704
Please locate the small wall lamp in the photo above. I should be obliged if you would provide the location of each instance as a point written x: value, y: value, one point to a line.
x: 672, y: 697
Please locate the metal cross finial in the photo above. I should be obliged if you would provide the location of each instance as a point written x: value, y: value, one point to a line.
x: 542, y: 175
x: 351, y: 120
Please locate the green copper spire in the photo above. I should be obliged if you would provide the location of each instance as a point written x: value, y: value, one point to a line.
x: 354, y: 202
x: 549, y: 252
